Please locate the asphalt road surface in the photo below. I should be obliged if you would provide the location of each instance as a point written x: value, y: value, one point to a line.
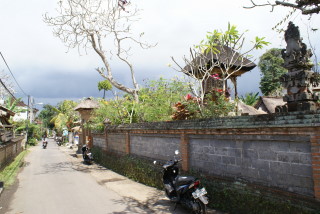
x: 52, y: 182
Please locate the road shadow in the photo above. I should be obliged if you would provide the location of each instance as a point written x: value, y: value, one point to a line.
x: 60, y: 167
x: 152, y: 205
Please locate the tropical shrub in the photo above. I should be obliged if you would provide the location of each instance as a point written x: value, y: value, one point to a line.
x: 250, y: 98
x: 155, y: 104
x: 158, y: 97
x: 215, y: 105
x: 32, y: 141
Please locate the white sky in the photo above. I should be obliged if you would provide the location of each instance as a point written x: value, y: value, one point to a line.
x: 44, y: 70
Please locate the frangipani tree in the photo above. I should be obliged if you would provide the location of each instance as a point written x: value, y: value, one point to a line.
x: 220, y: 56
x: 91, y: 24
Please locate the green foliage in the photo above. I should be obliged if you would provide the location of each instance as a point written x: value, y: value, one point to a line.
x: 134, y: 168
x: 46, y: 115
x: 158, y: 98
x: 155, y: 104
x: 271, y: 69
x: 104, y: 85
x: 215, y: 105
x: 32, y: 141
x: 34, y: 130
x: 64, y: 116
x: 117, y: 111
x: 222, y: 44
x: 250, y: 98
x: 231, y: 38
x: 12, y: 105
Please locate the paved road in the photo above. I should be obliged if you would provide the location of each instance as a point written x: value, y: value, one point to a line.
x: 53, y: 181
x: 51, y: 184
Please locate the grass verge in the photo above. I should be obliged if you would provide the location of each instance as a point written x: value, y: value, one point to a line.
x: 8, y: 174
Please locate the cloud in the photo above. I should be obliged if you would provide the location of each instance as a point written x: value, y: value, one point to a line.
x: 43, y: 68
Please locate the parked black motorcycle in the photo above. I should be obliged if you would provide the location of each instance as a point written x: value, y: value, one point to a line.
x: 184, y: 190
x: 86, y: 155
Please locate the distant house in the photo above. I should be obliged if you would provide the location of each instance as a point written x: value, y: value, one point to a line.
x: 23, y: 115
x: 268, y: 104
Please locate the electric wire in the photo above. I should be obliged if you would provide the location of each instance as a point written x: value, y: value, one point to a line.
x: 12, y: 76
x: 5, y: 87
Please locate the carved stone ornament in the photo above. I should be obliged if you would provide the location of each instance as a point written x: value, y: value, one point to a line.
x: 300, y: 80
x: 296, y: 54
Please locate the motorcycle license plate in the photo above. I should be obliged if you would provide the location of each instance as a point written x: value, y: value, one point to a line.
x: 199, y: 192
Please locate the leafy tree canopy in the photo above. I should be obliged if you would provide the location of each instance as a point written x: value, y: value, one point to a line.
x: 46, y: 115
x: 104, y: 85
x: 271, y: 69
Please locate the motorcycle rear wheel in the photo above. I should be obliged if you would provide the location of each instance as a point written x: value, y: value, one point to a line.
x: 202, y: 208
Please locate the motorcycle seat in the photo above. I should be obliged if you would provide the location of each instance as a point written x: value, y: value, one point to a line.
x: 183, y: 180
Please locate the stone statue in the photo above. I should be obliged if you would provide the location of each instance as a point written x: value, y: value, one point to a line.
x: 299, y: 80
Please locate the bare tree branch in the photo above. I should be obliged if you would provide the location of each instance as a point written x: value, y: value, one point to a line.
x: 87, y: 24
x: 307, y: 7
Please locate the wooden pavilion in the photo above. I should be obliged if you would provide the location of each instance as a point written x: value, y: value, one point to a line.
x: 222, y: 59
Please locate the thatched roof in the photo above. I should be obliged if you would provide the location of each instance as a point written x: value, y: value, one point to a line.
x: 250, y: 110
x: 223, y: 56
x: 268, y: 104
x: 87, y: 104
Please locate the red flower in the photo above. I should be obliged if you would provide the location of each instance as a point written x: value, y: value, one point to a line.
x: 215, y: 76
x: 188, y: 97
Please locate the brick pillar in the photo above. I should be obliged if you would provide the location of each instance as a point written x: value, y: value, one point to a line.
x: 127, y: 143
x: 315, y: 155
x: 184, y: 147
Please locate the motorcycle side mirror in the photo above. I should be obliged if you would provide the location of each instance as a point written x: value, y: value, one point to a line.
x: 176, y: 152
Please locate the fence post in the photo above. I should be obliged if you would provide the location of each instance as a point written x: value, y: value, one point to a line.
x: 184, y: 146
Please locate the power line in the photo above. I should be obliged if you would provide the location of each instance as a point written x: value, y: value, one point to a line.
x: 12, y: 76
x: 5, y: 87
